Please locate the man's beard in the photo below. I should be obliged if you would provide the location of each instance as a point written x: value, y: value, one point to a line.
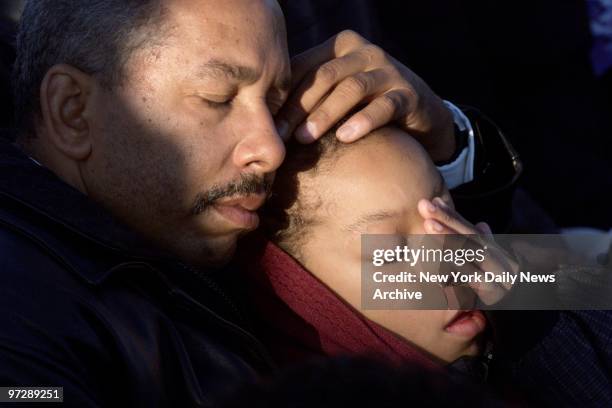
x: 248, y: 184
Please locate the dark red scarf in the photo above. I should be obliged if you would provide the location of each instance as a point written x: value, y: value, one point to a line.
x: 300, y: 317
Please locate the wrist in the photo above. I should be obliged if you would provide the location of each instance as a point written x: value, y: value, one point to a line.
x: 443, y: 138
x: 461, y: 143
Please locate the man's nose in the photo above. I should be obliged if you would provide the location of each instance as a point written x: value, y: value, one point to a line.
x: 261, y: 149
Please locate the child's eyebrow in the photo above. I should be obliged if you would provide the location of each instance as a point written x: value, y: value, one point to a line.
x: 364, y: 220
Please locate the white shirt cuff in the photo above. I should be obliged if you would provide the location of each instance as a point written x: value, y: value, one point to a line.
x: 461, y: 171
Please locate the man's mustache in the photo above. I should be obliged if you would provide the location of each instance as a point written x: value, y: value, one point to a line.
x: 248, y: 184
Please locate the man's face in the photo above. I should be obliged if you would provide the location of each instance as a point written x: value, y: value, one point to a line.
x: 184, y: 149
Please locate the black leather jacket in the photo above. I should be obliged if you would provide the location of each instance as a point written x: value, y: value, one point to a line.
x: 87, y: 306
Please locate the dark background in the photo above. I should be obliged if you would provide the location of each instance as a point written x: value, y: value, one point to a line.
x: 525, y: 64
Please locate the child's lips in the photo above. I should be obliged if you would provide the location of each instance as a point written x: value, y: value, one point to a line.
x: 467, y: 323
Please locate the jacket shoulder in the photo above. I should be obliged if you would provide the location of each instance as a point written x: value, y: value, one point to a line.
x: 26, y: 259
x: 50, y: 333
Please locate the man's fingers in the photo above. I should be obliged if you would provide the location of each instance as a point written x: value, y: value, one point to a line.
x: 337, y: 46
x: 349, y: 93
x: 313, y: 89
x: 406, y: 100
x: 381, y: 111
x: 308, y: 60
x: 317, y: 72
x: 321, y: 80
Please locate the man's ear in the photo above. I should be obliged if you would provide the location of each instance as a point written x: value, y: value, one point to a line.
x: 65, y: 95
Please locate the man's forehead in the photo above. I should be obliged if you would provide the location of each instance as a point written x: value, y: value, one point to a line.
x: 228, y: 17
x: 233, y: 39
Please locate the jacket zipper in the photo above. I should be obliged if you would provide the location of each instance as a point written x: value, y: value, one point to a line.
x: 259, y: 349
x: 212, y: 285
x: 256, y: 348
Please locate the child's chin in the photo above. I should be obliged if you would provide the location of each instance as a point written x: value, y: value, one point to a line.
x: 474, y: 349
x: 471, y: 350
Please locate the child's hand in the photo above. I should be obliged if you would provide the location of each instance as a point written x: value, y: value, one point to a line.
x: 439, y: 218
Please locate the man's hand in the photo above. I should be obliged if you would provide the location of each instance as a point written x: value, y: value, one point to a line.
x: 346, y: 72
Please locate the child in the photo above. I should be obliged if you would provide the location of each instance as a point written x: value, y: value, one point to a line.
x: 307, y: 283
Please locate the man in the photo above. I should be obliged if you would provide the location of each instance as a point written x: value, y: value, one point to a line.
x: 147, y: 140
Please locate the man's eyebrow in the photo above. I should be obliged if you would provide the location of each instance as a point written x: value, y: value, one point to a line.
x: 366, y: 219
x: 218, y: 68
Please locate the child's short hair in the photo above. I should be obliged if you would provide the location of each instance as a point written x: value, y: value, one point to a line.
x: 292, y: 207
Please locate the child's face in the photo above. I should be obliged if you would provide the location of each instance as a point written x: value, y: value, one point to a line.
x: 374, y: 188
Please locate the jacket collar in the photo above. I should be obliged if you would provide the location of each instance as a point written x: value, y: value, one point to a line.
x: 40, y: 193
